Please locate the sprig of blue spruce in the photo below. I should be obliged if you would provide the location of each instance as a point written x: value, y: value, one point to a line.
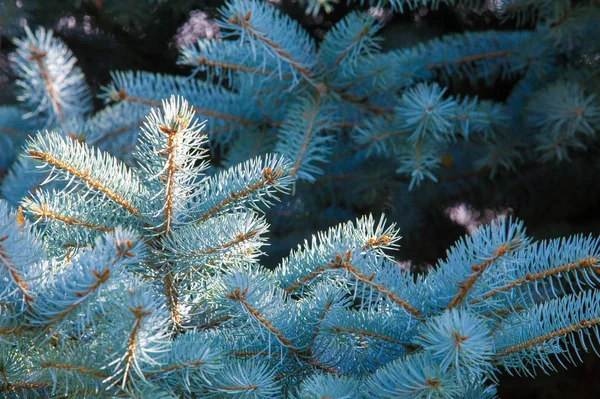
x: 144, y: 282
x: 268, y: 86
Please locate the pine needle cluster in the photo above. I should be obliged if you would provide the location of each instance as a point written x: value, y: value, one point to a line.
x: 145, y: 282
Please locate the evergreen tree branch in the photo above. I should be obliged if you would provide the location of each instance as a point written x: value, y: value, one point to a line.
x: 270, y: 178
x: 535, y: 277
x: 43, y: 212
x: 85, y: 177
x: 560, y: 333
x: 466, y: 286
x: 343, y: 262
x: 14, y: 273
x: 244, y: 22
x: 38, y: 57
x: 172, y: 298
x: 74, y: 369
x: 72, y: 159
x: 122, y: 95
x: 307, y: 135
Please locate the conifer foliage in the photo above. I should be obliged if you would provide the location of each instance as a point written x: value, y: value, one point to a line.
x: 265, y: 84
x: 144, y: 282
